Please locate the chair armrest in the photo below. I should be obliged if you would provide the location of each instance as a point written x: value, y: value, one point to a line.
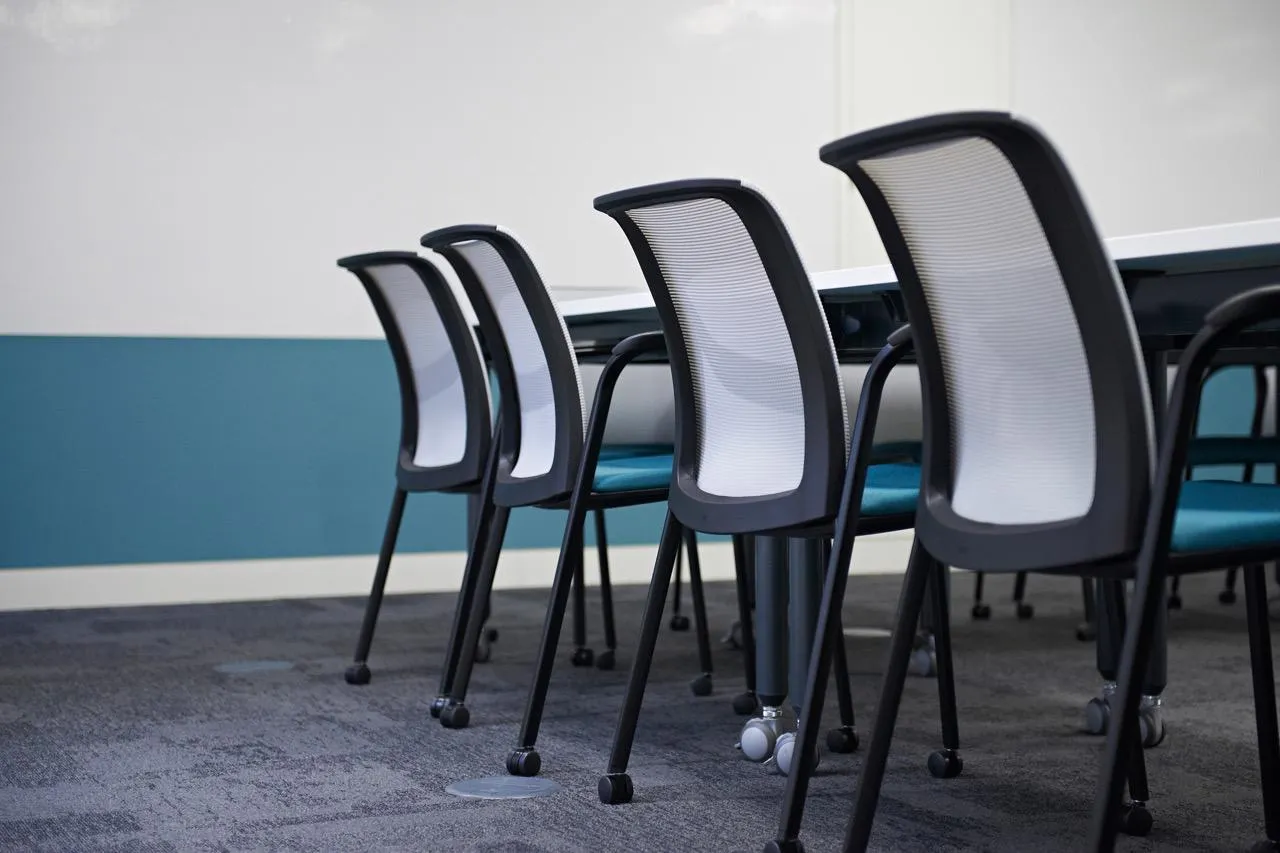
x: 640, y: 344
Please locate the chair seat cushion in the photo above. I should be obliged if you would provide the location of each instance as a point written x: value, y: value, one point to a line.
x: 1215, y: 515
x: 623, y: 473
x: 891, y: 489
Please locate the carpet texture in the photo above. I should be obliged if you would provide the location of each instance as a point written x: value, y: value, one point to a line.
x: 229, y: 727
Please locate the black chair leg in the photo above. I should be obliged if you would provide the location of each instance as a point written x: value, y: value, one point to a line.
x: 524, y: 759
x: 582, y: 655
x: 608, y: 658
x: 872, y: 776
x: 1175, y: 596
x: 701, y: 684
x: 1264, y: 702
x: 1024, y: 610
x: 1228, y: 594
x: 981, y: 610
x: 745, y: 703
x: 843, y: 739
x: 454, y: 714
x: 946, y: 762
x: 358, y: 672
x: 1087, y: 631
x: 679, y: 622
x: 615, y: 786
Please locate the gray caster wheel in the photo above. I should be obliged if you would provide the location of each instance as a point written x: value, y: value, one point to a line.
x: 358, y: 674
x: 701, y: 685
x: 524, y: 762
x: 1096, y: 716
x: 615, y: 789
x: 733, y: 639
x: 455, y: 717
x: 437, y: 705
x: 606, y: 660
x: 945, y: 764
x: 924, y: 660
x: 760, y: 737
x: 784, y: 753
x: 1151, y: 722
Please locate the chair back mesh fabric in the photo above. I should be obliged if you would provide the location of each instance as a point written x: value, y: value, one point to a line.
x: 439, y: 392
x: 747, y: 392
x: 1038, y: 415
x: 532, y: 351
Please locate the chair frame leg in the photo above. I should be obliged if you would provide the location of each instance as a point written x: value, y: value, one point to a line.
x: 742, y: 547
x: 946, y: 667
x: 606, y: 584
x: 701, y: 628
x: 374, y: 603
x: 1262, y: 669
x: 579, y: 602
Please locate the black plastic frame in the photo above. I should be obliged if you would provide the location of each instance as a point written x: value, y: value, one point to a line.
x: 816, y: 498
x: 569, y: 434
x: 466, y: 473
x: 1111, y: 528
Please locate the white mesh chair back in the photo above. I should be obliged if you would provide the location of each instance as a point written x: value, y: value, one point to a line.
x: 1035, y: 394
x: 533, y: 357
x: 445, y: 401
x: 760, y: 407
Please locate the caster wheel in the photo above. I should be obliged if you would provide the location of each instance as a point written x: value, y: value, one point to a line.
x: 1151, y: 725
x: 358, y: 674
x: 437, y: 705
x: 784, y: 847
x: 1267, y: 846
x: 745, y: 703
x: 981, y: 611
x: 1086, y: 632
x: 1175, y: 602
x: 842, y: 740
x: 607, y: 660
x: 455, y: 717
x: 1096, y: 716
x: 615, y: 789
x: 784, y: 754
x: 679, y: 622
x: 733, y: 639
x: 945, y: 764
x: 701, y: 686
x: 1227, y: 596
x: 1135, y: 820
x: 758, y: 739
x: 1025, y: 611
x: 924, y: 663
x: 483, y: 651
x: 582, y: 657
x: 491, y: 635
x: 524, y: 762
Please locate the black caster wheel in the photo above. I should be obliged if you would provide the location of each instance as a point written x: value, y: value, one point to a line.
x: 701, y: 685
x: 1135, y: 820
x: 358, y: 674
x: 1227, y: 596
x: 745, y: 704
x: 842, y: 740
x: 981, y: 612
x: 679, y: 622
x: 491, y: 635
x: 437, y: 705
x: 1086, y: 632
x: 1025, y: 611
x: 945, y: 764
x: 455, y: 717
x: 607, y: 660
x: 1175, y: 602
x: 524, y: 762
x: 733, y: 639
x: 1096, y: 716
x: 582, y: 657
x: 615, y: 789
x: 1267, y: 846
x: 784, y: 847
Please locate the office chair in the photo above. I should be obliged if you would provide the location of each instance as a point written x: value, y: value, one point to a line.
x: 762, y: 431
x: 541, y: 442
x: 445, y: 430
x: 1040, y: 445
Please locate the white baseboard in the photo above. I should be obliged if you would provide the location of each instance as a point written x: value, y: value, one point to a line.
x: 321, y: 577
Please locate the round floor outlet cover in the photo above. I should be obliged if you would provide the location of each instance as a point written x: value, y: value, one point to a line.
x: 867, y: 633
x: 249, y: 667
x: 503, y: 788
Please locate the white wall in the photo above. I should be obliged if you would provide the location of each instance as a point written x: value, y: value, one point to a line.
x: 1167, y: 111
x: 194, y: 168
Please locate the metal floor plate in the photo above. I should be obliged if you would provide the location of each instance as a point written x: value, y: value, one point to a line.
x: 503, y: 788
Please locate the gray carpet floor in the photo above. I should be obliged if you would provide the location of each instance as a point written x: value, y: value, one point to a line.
x: 229, y: 727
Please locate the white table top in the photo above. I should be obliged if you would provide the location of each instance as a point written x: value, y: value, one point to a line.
x: 1171, y: 249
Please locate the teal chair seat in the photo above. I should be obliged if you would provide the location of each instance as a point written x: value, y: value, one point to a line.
x: 620, y: 472
x: 1218, y: 515
x: 891, y: 489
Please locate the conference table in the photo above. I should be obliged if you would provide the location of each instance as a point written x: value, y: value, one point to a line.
x: 1173, y: 278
